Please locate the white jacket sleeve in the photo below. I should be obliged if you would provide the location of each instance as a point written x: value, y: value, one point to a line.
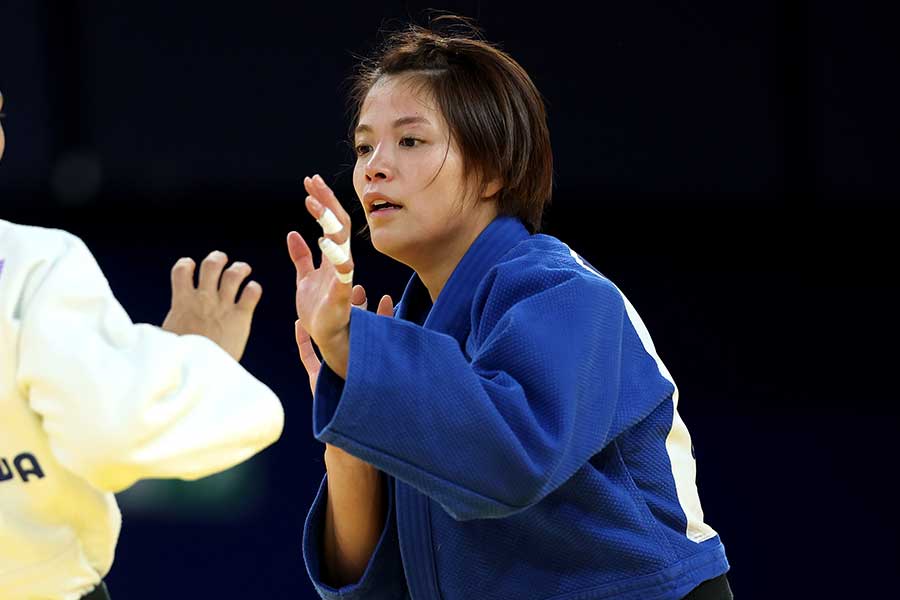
x: 122, y: 402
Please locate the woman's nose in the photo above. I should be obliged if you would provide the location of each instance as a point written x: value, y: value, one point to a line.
x: 378, y: 166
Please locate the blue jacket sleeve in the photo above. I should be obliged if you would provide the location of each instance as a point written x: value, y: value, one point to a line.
x: 547, y: 377
x: 383, y: 578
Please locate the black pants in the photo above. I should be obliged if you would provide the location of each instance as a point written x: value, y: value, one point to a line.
x: 99, y: 593
x: 712, y: 589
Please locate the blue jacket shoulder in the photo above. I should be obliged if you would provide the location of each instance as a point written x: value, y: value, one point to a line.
x: 534, y: 266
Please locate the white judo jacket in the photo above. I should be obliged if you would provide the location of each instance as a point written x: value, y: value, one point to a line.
x: 89, y: 404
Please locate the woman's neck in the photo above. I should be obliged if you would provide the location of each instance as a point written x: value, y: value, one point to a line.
x: 435, y: 270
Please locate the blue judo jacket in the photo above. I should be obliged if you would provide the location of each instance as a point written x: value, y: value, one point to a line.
x: 530, y: 435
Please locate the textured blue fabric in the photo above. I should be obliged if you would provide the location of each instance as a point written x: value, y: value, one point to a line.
x: 525, y: 424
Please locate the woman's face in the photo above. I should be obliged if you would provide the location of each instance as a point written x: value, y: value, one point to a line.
x: 405, y: 157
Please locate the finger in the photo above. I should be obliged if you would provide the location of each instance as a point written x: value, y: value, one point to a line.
x: 324, y: 216
x: 308, y: 356
x: 335, y: 222
x: 386, y: 306
x: 183, y: 276
x: 331, y: 226
x: 339, y: 258
x: 211, y: 270
x: 300, y: 254
x: 358, y: 297
x: 250, y: 297
x: 338, y: 292
x: 232, y: 279
x: 320, y: 191
x: 323, y: 192
x: 337, y: 253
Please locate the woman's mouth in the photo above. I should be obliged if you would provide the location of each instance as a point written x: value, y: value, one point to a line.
x: 383, y: 206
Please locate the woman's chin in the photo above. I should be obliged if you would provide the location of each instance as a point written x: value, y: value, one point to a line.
x: 387, y: 243
x: 383, y: 242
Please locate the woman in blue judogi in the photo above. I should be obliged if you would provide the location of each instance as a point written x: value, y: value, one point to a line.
x: 509, y: 431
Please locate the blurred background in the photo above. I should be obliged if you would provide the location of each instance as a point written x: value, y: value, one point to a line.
x: 731, y: 166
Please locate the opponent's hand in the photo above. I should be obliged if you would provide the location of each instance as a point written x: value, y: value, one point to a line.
x: 209, y: 309
x: 308, y: 356
x: 323, y: 293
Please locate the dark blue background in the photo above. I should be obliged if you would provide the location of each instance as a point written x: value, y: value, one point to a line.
x: 729, y: 165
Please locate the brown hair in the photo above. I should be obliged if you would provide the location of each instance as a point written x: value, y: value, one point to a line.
x: 494, y: 112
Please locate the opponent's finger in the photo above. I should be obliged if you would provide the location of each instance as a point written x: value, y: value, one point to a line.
x: 308, y: 356
x: 211, y: 270
x: 232, y: 278
x: 183, y: 276
x: 358, y: 297
x: 250, y: 297
x: 386, y: 306
x: 300, y: 254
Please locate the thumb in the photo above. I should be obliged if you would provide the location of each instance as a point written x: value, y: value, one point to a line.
x: 386, y: 306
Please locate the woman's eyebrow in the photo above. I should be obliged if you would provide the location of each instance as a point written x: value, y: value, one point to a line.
x: 414, y: 120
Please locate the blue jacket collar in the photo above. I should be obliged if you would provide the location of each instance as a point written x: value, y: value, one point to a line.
x: 450, y: 313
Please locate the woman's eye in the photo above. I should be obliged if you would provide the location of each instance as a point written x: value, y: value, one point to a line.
x: 409, y: 142
x: 362, y: 149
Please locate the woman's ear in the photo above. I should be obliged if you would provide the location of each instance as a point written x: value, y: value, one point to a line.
x: 492, y: 188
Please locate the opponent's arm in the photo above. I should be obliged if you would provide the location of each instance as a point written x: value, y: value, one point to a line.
x: 122, y: 401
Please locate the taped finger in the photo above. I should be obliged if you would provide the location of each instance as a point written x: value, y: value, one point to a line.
x: 330, y: 223
x: 337, y: 255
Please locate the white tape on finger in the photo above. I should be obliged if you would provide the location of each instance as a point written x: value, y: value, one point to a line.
x: 329, y: 222
x: 331, y: 225
x: 337, y: 255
